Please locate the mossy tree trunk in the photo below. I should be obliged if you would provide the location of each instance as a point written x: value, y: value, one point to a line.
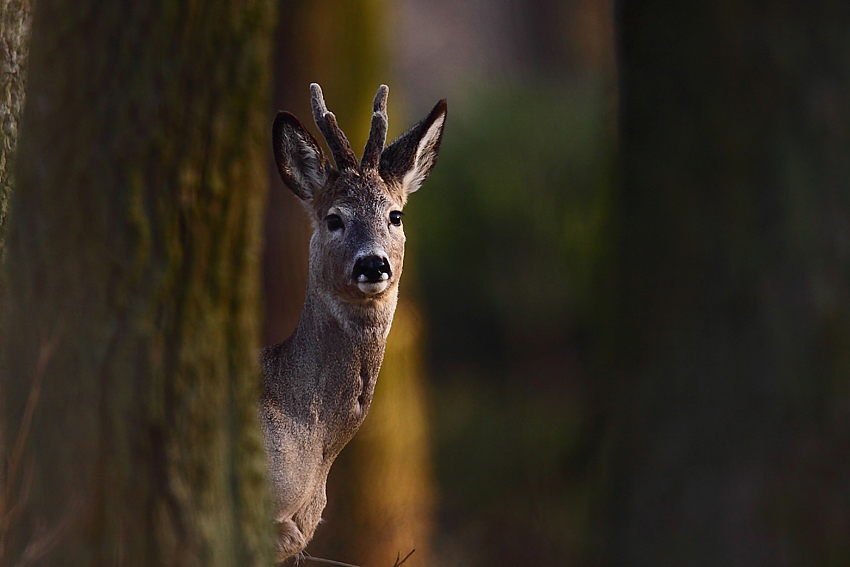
x: 15, y: 20
x: 735, y: 285
x: 130, y: 314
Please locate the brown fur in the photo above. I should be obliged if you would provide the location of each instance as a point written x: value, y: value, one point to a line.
x: 318, y: 384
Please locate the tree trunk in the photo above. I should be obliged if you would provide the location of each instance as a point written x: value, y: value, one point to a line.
x: 129, y: 323
x: 15, y: 20
x: 735, y: 273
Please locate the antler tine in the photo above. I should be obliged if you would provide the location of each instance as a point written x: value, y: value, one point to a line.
x: 326, y: 121
x: 378, y: 132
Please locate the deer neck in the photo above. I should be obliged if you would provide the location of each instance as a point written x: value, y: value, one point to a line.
x: 338, y: 333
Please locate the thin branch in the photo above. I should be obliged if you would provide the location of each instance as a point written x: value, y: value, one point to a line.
x: 328, y: 561
x: 308, y: 557
x: 398, y: 563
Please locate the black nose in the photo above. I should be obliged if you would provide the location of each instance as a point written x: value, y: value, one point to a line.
x: 371, y: 269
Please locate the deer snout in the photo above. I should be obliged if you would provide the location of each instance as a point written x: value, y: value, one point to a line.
x: 372, y: 273
x: 372, y: 269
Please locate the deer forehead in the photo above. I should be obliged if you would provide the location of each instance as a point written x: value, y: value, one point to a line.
x: 357, y: 195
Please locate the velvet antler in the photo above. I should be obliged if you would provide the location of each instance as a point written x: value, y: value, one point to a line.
x: 326, y: 121
x: 378, y: 132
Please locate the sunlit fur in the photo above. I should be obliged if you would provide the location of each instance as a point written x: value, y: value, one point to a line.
x: 318, y: 384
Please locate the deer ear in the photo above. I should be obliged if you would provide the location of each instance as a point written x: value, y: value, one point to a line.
x: 412, y: 156
x: 300, y: 160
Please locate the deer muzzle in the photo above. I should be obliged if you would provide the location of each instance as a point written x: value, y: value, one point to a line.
x: 372, y: 274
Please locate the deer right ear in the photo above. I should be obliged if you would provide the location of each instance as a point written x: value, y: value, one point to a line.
x: 300, y: 160
x: 412, y: 156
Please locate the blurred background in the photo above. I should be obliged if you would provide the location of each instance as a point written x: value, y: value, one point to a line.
x: 621, y: 339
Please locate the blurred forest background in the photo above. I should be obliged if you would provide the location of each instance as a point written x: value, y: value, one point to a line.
x: 624, y: 328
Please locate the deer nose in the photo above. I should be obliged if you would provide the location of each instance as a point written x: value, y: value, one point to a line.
x: 372, y: 269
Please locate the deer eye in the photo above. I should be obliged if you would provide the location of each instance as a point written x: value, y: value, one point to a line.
x: 395, y: 217
x: 334, y: 222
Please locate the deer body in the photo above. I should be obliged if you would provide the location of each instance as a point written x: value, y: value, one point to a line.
x: 318, y: 384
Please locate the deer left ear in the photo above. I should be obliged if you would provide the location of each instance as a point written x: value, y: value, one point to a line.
x: 410, y: 158
x: 300, y: 160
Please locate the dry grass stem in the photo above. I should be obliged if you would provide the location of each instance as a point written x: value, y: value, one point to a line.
x: 342, y: 564
x: 397, y: 562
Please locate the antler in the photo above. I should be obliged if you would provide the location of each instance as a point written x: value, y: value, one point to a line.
x: 378, y: 133
x: 326, y: 121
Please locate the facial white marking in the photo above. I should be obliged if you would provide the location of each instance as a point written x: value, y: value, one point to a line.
x: 341, y: 211
x: 362, y: 277
x: 375, y: 288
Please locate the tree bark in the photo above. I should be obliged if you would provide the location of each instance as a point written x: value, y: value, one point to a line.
x: 15, y: 20
x: 130, y: 315
x: 735, y: 285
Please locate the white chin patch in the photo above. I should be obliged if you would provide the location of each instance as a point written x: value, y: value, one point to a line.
x: 375, y: 288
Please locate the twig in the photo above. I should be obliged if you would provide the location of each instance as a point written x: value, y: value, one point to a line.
x: 397, y: 562
x: 308, y: 557
x: 328, y: 561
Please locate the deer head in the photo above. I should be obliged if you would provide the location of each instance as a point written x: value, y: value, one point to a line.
x: 357, y: 248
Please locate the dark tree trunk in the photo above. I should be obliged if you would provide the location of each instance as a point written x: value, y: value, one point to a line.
x: 130, y: 315
x: 15, y: 20
x: 734, y: 444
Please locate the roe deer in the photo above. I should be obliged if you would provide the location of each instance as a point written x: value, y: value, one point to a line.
x: 318, y: 384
